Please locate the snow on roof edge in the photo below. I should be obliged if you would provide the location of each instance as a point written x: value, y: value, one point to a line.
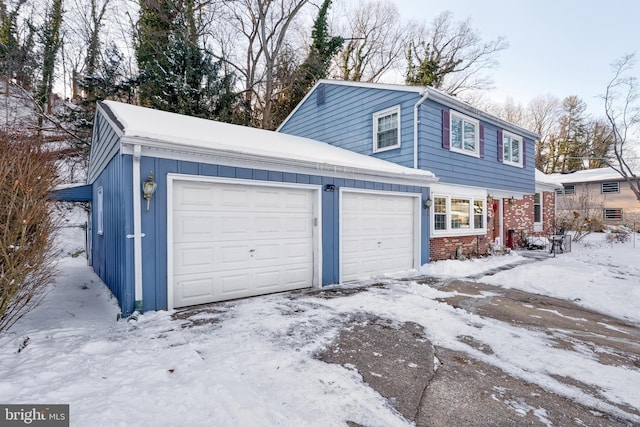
x: 190, y: 132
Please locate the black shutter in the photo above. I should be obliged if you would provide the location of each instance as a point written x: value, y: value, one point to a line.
x: 446, y: 129
x: 500, y: 149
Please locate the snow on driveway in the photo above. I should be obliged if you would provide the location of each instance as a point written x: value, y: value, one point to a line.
x: 251, y: 362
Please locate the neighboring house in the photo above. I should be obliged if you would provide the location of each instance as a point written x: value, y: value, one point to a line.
x: 599, y: 194
x: 487, y: 183
x: 188, y: 211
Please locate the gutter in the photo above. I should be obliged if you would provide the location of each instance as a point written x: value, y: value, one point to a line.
x: 416, y: 121
x: 261, y: 161
x: 137, y: 230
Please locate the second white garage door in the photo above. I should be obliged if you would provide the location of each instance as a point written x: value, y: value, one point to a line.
x: 238, y: 240
x: 378, y: 234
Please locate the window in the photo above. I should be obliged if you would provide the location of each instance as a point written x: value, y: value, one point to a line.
x: 386, y: 129
x: 570, y: 189
x: 439, y: 213
x: 464, y: 134
x: 611, y: 187
x: 537, y: 212
x: 478, y: 214
x: 99, y: 211
x: 613, y: 214
x: 511, y: 149
x: 458, y: 215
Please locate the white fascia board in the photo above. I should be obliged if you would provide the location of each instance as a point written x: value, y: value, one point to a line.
x: 458, y: 190
x: 161, y: 149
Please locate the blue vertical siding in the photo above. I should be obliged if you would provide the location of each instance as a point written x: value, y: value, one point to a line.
x: 154, y: 222
x: 112, y: 252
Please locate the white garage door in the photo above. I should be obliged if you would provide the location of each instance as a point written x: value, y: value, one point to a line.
x: 235, y: 240
x: 378, y: 234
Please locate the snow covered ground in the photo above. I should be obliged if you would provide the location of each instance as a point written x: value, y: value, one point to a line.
x: 251, y: 362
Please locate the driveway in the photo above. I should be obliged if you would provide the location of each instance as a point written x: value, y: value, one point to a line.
x: 459, y: 389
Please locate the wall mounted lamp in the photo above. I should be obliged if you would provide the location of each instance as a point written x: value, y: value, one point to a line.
x: 148, y: 188
x: 427, y: 203
x: 330, y: 188
x: 512, y: 200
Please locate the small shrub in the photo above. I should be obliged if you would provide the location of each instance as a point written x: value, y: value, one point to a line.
x: 27, y: 176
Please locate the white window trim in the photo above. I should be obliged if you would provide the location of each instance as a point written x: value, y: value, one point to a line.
x: 376, y: 116
x: 513, y: 136
x: 100, y: 211
x: 617, y: 190
x: 538, y: 226
x: 450, y: 232
x: 476, y: 123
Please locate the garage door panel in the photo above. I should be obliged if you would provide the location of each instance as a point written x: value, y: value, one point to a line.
x: 378, y: 234
x: 245, y: 240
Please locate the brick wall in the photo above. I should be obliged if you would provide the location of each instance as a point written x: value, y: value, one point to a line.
x: 517, y: 216
x: 442, y: 248
x: 548, y: 212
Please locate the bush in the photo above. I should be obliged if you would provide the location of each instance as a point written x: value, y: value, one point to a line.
x: 27, y: 176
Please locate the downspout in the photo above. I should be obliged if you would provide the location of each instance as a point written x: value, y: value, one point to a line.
x: 416, y: 121
x: 137, y: 230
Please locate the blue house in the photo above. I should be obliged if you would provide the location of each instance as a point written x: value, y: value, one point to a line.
x: 486, y: 193
x: 188, y: 211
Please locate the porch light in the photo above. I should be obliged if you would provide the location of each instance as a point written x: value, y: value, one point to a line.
x: 148, y: 188
x: 512, y: 200
x: 427, y: 203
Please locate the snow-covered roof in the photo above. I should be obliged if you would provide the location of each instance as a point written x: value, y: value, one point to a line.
x: 431, y: 93
x: 589, y: 175
x: 170, y: 131
x: 544, y: 180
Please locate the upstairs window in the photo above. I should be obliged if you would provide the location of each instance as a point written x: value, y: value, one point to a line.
x: 570, y: 189
x: 611, y: 187
x: 386, y: 129
x: 511, y: 149
x: 465, y: 135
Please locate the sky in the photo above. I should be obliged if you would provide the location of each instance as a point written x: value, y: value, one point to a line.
x: 251, y: 361
x: 559, y: 47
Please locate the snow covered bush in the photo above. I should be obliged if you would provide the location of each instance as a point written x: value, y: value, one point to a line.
x: 27, y: 175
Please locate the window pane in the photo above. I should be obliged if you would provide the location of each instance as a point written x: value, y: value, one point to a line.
x: 456, y: 133
x: 613, y: 214
x: 439, y: 213
x: 388, y: 130
x: 506, y: 149
x: 537, y: 208
x: 478, y: 214
x: 460, y: 213
x: 469, y: 136
x: 515, y: 151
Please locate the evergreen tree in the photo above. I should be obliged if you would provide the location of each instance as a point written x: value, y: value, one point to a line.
x: 17, y: 58
x: 50, y: 40
x: 175, y: 73
x: 315, y: 67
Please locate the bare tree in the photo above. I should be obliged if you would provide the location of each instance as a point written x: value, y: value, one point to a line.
x: 622, y: 110
x: 375, y: 39
x: 27, y: 175
x: 451, y: 56
x: 250, y: 36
